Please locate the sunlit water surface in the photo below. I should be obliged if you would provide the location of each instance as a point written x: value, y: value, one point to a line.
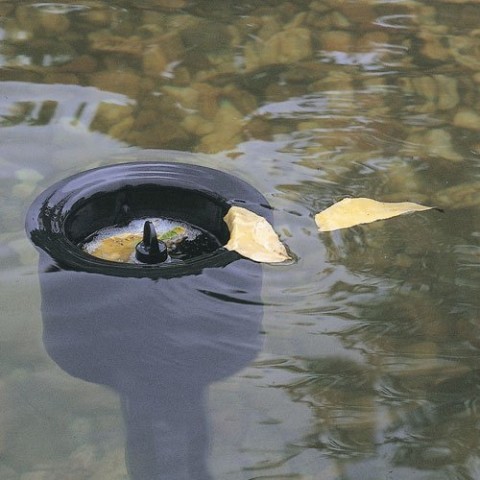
x: 369, y: 366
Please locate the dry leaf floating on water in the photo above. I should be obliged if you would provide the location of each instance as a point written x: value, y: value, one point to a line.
x: 119, y: 246
x: 253, y: 237
x: 355, y: 211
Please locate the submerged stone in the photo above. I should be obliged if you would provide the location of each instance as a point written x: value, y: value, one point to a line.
x: 154, y: 60
x: 467, y: 118
x: 465, y: 195
x: 103, y: 41
x: 124, y: 82
x: 288, y: 46
x: 109, y: 114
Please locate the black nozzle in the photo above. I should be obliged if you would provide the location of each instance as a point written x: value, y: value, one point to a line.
x: 150, y: 249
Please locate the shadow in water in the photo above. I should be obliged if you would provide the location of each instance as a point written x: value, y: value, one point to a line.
x: 159, y: 344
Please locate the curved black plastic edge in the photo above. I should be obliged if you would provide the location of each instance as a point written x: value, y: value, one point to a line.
x: 45, y: 220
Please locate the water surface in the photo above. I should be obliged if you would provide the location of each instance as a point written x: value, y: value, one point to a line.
x: 369, y: 364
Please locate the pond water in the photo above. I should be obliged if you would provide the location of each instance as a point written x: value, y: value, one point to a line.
x: 369, y: 366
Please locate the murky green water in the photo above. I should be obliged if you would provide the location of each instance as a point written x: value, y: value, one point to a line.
x: 370, y: 367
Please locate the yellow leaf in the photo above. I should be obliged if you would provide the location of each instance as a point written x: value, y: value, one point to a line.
x: 355, y: 211
x: 118, y: 248
x: 253, y: 237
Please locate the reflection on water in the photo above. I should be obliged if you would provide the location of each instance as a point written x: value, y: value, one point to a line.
x: 370, y: 362
x: 159, y: 344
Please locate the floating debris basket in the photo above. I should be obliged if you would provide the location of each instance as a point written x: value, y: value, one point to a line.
x: 138, y: 294
x: 183, y: 201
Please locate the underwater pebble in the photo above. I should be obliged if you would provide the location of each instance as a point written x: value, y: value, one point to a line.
x: 336, y: 41
x: 268, y: 53
x: 26, y: 17
x: 54, y: 23
x: 426, y: 87
x: 259, y: 128
x: 433, y: 45
x: 434, y: 143
x: 154, y: 61
x: 448, y: 96
x: 403, y: 261
x: 403, y: 178
x: 105, y: 42
x: 187, y: 96
x: 23, y: 190
x: 241, y: 100
x: 44, y: 21
x: 466, y: 118
x: 287, y: 46
x: 362, y: 13
x: 268, y: 26
x: 208, y: 100
x: 205, y: 36
x: 439, y: 92
x: 197, y: 125
x: 98, y: 17
x: 338, y: 20
x: 439, y: 143
x: 16, y: 34
x: 80, y: 64
x: 28, y: 175
x: 229, y: 124
x: 125, y: 82
x: 6, y: 9
x: 121, y: 129
x: 464, y: 49
x: 291, y: 45
x: 109, y: 114
x: 465, y: 195
x: 61, y: 78
x: 164, y: 133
